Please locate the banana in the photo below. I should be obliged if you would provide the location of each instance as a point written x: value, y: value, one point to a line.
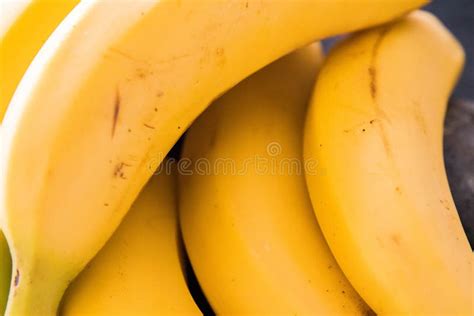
x: 5, y: 267
x: 138, y: 272
x: 5, y: 272
x: 109, y: 94
x: 380, y: 192
x: 25, y: 26
x: 247, y: 222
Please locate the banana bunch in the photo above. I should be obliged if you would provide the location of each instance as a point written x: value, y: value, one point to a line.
x: 311, y: 186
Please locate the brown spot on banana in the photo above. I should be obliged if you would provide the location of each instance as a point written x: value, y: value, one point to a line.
x: 396, y: 239
x: 119, y: 170
x: 148, y: 126
x: 373, y: 81
x: 16, y: 280
x: 372, y: 69
x: 116, y: 112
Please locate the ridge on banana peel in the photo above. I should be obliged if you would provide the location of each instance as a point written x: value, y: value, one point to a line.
x: 105, y: 99
x: 25, y: 26
x: 263, y: 252
x: 138, y: 272
x: 388, y: 214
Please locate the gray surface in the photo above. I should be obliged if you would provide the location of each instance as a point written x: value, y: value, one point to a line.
x: 459, y: 160
x: 458, y: 16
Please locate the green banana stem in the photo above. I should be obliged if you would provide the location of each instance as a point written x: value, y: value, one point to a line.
x: 5, y: 272
x: 31, y: 293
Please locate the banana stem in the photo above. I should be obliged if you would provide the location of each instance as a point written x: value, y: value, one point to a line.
x: 36, y: 296
x: 5, y: 272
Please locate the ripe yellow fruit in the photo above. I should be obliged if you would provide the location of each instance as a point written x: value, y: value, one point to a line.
x: 138, y: 272
x: 381, y: 193
x: 247, y: 222
x: 109, y: 94
x: 25, y: 26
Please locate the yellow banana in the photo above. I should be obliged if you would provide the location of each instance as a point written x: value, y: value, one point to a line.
x: 138, y: 272
x: 380, y: 193
x: 247, y: 223
x: 109, y: 94
x: 25, y: 26
x: 5, y: 272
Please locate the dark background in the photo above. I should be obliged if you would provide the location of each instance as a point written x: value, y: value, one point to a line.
x: 458, y: 16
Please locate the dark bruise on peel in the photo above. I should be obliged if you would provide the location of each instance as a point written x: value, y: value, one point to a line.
x: 372, y: 70
x: 373, y: 87
x: 119, y: 170
x: 116, y: 112
x: 396, y: 239
x: 148, y: 126
x: 16, y: 281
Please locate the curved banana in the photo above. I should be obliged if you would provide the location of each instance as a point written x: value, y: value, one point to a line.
x: 5, y: 272
x: 138, y: 272
x: 121, y: 81
x: 248, y: 226
x: 380, y: 193
x: 25, y: 26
